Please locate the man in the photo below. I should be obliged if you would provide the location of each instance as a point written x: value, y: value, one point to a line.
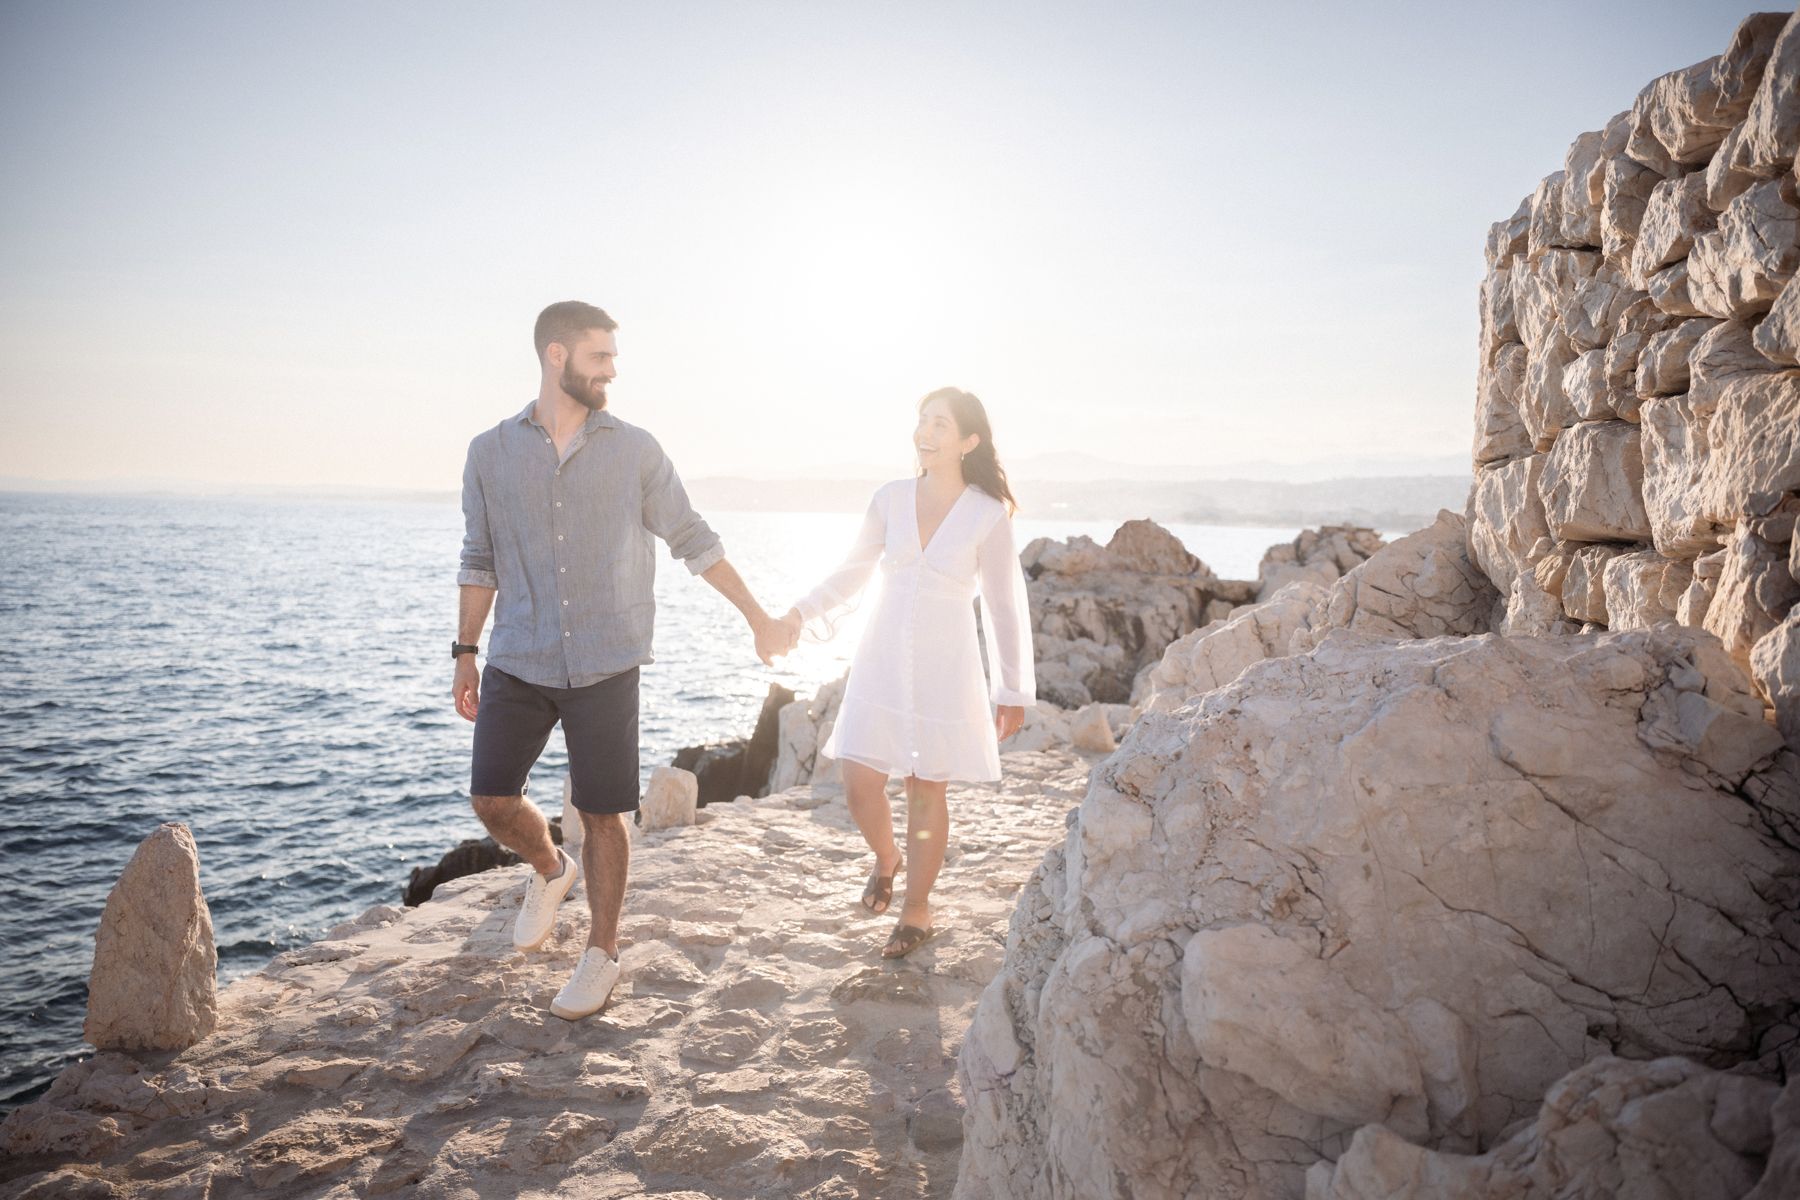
x: 560, y: 504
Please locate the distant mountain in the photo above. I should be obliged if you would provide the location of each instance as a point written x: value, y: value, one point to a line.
x: 1074, y: 466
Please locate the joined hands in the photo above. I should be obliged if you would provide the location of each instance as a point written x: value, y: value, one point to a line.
x: 775, y: 638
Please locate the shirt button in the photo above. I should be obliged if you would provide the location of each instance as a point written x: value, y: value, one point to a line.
x: 565, y: 604
x: 565, y: 633
x: 562, y: 570
x: 546, y: 441
x: 559, y: 504
x: 559, y: 537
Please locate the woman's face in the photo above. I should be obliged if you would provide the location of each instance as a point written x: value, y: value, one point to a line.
x: 937, y: 439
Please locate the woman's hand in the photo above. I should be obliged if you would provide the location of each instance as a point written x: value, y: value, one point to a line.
x: 1008, y: 720
x: 793, y: 622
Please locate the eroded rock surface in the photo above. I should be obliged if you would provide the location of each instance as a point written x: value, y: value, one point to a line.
x: 1408, y: 884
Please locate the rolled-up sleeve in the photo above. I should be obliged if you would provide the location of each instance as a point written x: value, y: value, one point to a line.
x: 669, y: 516
x: 477, y: 565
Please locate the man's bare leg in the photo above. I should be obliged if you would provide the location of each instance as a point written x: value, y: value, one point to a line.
x: 517, y: 824
x: 605, y: 862
x: 927, y: 831
x: 865, y: 793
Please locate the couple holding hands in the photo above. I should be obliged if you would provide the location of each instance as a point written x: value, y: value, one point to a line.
x: 562, y: 503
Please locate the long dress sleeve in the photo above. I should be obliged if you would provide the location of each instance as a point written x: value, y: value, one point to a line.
x: 842, y: 586
x: 1006, y: 618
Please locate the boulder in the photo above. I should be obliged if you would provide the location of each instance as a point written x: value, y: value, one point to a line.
x: 1670, y: 291
x: 802, y: 727
x: 1507, y: 239
x: 1627, y: 194
x: 154, y: 983
x: 1583, y: 588
x: 1771, y: 128
x: 1422, y: 586
x: 671, y: 799
x: 1677, y: 450
x: 1090, y: 732
x: 1777, y: 336
x: 1642, y: 588
x: 1499, y: 432
x: 1101, y: 614
x: 1738, y: 269
x: 1498, y: 324
x: 1481, y: 864
x: 1754, y: 592
x: 1214, y: 656
x: 469, y: 857
x: 1319, y: 556
x: 1724, y: 353
x: 1675, y: 216
x: 1549, y: 228
x: 1506, y: 518
x: 1637, y: 325
x: 1592, y: 484
x: 1591, y: 392
x: 1775, y: 665
x: 1691, y: 110
x: 742, y: 766
x: 1545, y: 409
x: 1662, y: 365
x: 1610, y: 1130
x: 1543, y: 287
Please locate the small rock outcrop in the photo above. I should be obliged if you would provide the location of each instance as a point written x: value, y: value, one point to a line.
x: 153, y: 982
x: 671, y: 799
x: 1320, y: 556
x: 742, y: 766
x: 1100, y: 614
x: 468, y: 857
x: 1668, y: 1127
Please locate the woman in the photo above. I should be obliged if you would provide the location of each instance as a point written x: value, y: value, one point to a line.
x: 915, y: 705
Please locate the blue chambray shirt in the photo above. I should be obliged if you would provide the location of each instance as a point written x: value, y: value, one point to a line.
x: 567, y: 544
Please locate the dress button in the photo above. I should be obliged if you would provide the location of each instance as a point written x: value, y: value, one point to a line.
x: 565, y: 604
x: 559, y: 537
x: 565, y: 633
x: 562, y: 570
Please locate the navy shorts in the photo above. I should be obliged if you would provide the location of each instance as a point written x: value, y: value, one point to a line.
x: 600, y: 724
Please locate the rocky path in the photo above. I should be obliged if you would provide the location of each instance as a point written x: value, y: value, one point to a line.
x: 758, y: 1047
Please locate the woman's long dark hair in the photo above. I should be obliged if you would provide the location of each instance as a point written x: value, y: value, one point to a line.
x: 981, y: 466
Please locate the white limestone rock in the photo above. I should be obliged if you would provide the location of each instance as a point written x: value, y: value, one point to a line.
x: 1319, y: 556
x: 1090, y: 732
x: 1506, y: 518
x: 1583, y: 592
x: 1592, y: 310
x: 1592, y: 484
x: 1642, y: 589
x: 1637, y: 325
x: 1213, y: 656
x: 1753, y: 595
x: 1738, y: 269
x: 1675, y: 216
x: 1610, y: 1130
x: 1500, y: 434
x: 671, y: 799
x: 802, y: 727
x: 1591, y: 392
x: 1422, y: 586
x: 1755, y: 442
x: 1725, y: 353
x: 1771, y: 128
x: 1775, y: 665
x: 1663, y: 365
x: 1508, y: 238
x: 1627, y: 191
x: 1690, y: 110
x: 1671, y: 290
x: 1545, y: 409
x: 1499, y: 325
x: 154, y: 984
x: 1777, y: 335
x: 1482, y: 863
x: 1677, y: 449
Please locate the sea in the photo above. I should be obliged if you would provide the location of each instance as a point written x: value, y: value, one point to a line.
x: 274, y: 672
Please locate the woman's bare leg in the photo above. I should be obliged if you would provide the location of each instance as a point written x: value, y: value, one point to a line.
x: 865, y: 791
x: 927, y: 831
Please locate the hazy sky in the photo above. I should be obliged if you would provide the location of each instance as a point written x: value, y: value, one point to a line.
x: 304, y: 244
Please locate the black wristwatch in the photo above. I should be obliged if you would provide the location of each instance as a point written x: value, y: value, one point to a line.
x: 458, y: 649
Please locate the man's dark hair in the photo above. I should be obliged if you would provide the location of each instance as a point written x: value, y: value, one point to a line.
x: 565, y: 321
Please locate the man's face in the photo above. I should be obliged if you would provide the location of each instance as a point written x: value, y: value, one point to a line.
x: 589, y: 368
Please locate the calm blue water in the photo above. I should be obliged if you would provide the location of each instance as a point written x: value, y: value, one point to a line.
x: 274, y: 673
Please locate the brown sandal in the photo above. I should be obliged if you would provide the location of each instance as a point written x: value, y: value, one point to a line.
x: 880, y: 891
x: 906, y: 939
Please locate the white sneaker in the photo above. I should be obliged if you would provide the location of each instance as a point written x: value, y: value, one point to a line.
x: 537, y: 914
x: 590, y: 987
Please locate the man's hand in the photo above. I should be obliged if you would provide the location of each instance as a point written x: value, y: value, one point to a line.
x: 465, y: 687
x: 1008, y: 720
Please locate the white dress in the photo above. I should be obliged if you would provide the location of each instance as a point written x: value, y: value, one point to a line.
x: 916, y: 703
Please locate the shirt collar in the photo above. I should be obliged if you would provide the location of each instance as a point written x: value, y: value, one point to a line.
x: 598, y: 419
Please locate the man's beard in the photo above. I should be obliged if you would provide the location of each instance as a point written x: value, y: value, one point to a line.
x: 589, y: 390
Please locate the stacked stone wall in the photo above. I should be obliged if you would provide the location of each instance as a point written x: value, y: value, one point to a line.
x: 1637, y: 429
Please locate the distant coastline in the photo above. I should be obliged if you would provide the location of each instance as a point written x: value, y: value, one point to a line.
x: 1379, y: 501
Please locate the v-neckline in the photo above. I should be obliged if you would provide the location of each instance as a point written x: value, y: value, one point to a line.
x: 919, y: 537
